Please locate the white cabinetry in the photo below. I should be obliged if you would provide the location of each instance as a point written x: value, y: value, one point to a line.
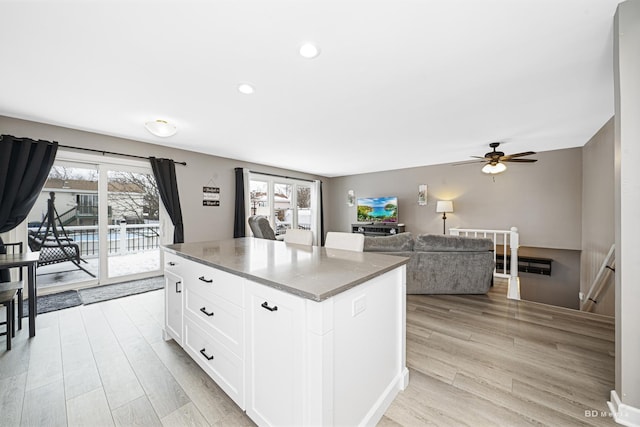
x: 275, y: 344
x: 288, y: 360
x: 214, y: 326
x: 173, y: 286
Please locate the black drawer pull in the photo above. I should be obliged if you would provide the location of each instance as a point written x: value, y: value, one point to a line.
x: 171, y: 263
x: 205, y: 280
x: 204, y: 310
x: 266, y: 305
x: 205, y: 354
x: 178, y: 290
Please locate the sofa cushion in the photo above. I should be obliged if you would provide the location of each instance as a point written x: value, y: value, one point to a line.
x: 401, y: 242
x: 445, y: 243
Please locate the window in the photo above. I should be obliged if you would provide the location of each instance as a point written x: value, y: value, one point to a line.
x: 287, y: 203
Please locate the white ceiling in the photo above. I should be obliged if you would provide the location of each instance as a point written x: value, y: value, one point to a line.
x: 398, y: 83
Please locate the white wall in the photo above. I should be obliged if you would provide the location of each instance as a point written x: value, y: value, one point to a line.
x: 627, y: 205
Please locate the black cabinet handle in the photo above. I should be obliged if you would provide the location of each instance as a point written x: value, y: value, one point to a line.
x: 205, y: 280
x: 171, y: 263
x: 204, y: 310
x: 202, y: 352
x: 178, y: 290
x: 266, y: 305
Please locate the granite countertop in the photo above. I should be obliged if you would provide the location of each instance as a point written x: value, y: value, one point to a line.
x: 311, y: 272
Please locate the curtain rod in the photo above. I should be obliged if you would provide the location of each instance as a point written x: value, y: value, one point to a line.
x: 282, y: 176
x: 111, y: 152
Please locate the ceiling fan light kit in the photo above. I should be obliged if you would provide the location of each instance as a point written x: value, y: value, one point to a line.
x: 494, y: 169
x: 161, y: 128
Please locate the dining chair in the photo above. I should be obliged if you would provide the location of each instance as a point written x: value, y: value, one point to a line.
x: 7, y: 299
x: 345, y: 241
x: 299, y: 236
x: 5, y: 278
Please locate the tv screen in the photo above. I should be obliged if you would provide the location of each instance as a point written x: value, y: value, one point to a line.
x: 378, y: 209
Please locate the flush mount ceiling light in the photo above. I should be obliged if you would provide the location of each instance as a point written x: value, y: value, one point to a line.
x: 161, y: 128
x: 494, y: 169
x: 309, y: 50
x: 246, y: 88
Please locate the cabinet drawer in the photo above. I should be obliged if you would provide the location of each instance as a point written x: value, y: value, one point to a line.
x: 216, y: 316
x: 173, y: 263
x: 207, y: 280
x: 225, y: 368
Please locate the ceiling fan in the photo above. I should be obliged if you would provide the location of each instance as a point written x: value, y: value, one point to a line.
x: 495, y: 159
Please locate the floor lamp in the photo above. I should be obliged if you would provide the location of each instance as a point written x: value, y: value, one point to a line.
x: 444, y: 206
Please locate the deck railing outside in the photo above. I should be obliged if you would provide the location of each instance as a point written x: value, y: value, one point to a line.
x: 122, y: 239
x: 509, y: 240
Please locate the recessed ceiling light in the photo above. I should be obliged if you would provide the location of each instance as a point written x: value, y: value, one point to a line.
x: 161, y: 128
x: 246, y: 88
x: 309, y: 50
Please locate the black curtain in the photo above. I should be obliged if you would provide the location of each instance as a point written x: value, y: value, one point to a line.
x: 164, y: 170
x: 24, y: 167
x: 239, y: 216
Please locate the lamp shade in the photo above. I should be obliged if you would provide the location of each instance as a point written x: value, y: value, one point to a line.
x: 494, y: 169
x: 161, y: 128
x: 444, y: 206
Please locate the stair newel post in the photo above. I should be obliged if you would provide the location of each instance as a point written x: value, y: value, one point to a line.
x: 514, y: 280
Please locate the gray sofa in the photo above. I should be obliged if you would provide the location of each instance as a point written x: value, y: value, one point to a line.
x: 440, y: 264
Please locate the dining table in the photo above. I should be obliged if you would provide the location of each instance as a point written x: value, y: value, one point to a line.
x: 28, y: 260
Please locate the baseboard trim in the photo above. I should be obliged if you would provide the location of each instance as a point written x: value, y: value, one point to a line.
x: 376, y: 413
x: 622, y: 413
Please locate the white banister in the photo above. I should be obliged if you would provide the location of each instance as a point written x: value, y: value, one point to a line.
x: 510, y: 244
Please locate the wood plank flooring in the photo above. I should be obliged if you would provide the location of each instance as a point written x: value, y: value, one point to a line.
x: 473, y: 360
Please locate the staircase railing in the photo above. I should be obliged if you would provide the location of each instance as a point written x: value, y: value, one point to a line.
x: 69, y: 216
x: 510, y: 242
x: 601, y: 282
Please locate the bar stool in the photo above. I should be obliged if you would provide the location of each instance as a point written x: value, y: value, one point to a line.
x: 8, y: 299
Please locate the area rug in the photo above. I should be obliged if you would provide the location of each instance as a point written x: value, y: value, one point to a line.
x: 119, y: 290
x: 54, y: 302
x: 67, y: 299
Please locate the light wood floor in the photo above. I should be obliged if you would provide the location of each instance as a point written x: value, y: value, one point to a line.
x: 473, y: 360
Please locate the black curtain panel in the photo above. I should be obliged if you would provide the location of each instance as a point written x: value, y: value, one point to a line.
x: 239, y: 216
x: 164, y: 170
x: 24, y: 167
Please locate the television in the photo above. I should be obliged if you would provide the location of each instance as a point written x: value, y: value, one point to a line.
x: 378, y: 209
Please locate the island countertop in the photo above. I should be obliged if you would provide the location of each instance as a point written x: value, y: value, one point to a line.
x: 311, y: 272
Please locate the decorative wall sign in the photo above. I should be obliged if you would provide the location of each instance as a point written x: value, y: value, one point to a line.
x: 422, y: 194
x: 351, y: 198
x: 210, y: 196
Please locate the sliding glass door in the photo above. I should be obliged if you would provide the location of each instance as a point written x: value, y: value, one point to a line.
x: 96, y: 223
x: 134, y: 222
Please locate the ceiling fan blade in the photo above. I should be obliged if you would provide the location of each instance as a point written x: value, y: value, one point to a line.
x: 469, y: 162
x: 511, y: 156
x: 520, y: 160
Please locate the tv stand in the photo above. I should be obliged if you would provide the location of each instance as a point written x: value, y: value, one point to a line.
x: 380, y: 229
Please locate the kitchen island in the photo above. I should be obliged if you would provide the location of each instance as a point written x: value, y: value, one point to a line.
x: 295, y: 335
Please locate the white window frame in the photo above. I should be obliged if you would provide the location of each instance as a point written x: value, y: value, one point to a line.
x: 271, y: 181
